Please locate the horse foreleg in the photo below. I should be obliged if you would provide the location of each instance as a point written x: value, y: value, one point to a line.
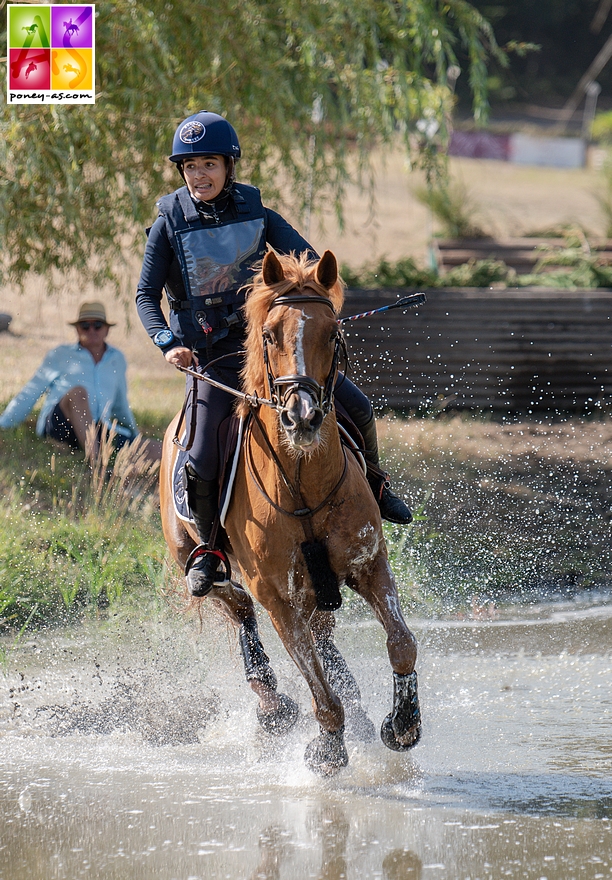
x: 380, y: 592
x: 277, y: 713
x: 401, y: 729
x: 326, y: 754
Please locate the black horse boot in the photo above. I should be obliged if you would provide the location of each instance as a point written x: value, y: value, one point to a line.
x: 203, y: 501
x: 392, y: 508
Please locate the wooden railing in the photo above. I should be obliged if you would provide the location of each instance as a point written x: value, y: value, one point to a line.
x: 521, y: 254
x: 515, y: 349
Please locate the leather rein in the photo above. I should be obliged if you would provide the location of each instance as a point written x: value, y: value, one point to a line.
x: 280, y: 389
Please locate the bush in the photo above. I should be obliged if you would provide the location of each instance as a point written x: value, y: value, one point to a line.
x: 404, y: 273
x: 452, y: 207
x: 574, y: 265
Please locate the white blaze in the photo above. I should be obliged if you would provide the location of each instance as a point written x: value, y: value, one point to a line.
x: 300, y: 362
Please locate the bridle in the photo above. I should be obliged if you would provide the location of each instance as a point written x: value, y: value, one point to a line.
x: 281, y: 388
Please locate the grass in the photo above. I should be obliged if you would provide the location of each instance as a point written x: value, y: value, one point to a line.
x: 452, y: 206
x: 74, y: 540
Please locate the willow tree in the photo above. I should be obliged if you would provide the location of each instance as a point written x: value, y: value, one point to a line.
x: 76, y: 181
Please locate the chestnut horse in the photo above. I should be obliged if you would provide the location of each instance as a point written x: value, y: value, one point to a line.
x: 302, y: 519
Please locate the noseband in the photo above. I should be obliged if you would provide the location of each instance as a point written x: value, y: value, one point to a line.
x: 283, y: 387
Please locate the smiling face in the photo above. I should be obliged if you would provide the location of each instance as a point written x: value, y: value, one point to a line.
x: 205, y: 176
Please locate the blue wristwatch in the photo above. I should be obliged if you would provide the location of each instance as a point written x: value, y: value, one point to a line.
x: 164, y: 338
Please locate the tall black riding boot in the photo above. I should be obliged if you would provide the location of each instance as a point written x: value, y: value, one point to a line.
x: 203, y: 501
x: 392, y: 508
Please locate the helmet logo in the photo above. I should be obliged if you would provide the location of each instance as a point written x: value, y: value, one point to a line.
x: 192, y: 132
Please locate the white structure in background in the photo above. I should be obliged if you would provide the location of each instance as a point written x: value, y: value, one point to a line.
x: 554, y: 152
x: 523, y: 149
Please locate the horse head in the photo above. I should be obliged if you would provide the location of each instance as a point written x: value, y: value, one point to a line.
x: 294, y: 342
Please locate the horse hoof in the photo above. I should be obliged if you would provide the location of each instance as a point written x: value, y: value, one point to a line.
x: 326, y: 754
x: 282, y: 719
x: 387, y: 734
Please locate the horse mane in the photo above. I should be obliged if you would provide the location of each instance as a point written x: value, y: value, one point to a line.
x: 300, y: 278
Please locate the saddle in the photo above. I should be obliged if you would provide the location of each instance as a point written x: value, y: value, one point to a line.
x: 229, y: 440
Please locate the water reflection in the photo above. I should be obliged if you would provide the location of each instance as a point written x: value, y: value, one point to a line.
x: 512, y: 778
x: 401, y: 864
x: 139, y: 829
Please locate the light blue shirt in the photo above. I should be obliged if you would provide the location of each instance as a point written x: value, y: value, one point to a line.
x: 64, y: 368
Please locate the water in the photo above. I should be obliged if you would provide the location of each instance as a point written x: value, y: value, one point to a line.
x: 131, y: 751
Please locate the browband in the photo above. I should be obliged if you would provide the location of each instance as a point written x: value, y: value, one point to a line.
x: 302, y: 298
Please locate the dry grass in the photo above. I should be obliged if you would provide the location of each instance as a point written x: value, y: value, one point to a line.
x: 479, y: 441
x: 120, y: 481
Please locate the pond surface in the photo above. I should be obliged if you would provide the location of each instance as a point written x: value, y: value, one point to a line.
x: 131, y: 750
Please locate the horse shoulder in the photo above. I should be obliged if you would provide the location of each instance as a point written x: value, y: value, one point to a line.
x: 354, y: 528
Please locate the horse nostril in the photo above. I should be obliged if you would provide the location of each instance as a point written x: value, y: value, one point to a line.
x: 287, y: 420
x: 317, y: 420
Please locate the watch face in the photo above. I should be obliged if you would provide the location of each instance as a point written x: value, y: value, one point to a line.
x: 164, y: 337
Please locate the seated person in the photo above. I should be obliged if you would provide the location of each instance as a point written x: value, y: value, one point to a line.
x: 85, y: 385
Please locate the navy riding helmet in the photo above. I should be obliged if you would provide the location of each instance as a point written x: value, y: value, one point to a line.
x: 204, y: 134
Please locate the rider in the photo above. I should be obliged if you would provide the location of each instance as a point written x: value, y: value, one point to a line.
x: 202, y: 249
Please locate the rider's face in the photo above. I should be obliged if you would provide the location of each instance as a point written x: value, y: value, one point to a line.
x: 205, y: 176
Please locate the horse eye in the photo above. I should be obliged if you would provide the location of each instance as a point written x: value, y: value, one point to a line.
x: 268, y: 336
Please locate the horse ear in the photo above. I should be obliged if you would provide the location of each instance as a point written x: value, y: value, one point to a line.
x: 327, y: 270
x: 272, y: 270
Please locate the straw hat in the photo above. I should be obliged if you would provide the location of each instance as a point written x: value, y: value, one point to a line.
x: 93, y: 311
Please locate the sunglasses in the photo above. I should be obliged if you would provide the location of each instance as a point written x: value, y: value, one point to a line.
x: 97, y: 325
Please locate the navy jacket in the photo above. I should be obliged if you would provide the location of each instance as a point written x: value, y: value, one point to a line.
x: 202, y: 256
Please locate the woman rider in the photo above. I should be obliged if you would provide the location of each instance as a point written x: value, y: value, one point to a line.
x: 202, y: 248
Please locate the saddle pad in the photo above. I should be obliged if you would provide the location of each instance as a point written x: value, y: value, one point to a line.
x: 179, y: 496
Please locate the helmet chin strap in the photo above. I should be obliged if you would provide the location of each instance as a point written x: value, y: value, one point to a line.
x: 230, y: 177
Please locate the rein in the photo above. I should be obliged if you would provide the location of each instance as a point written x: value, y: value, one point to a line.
x: 303, y: 513
x: 321, y: 394
x: 252, y: 400
x: 281, y: 388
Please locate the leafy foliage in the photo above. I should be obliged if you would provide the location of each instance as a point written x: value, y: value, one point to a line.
x: 601, y: 129
x: 77, y: 180
x: 404, y: 273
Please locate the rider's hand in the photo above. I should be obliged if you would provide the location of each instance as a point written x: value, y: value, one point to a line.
x: 181, y: 357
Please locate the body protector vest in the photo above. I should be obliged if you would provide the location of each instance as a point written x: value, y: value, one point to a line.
x: 213, y: 263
